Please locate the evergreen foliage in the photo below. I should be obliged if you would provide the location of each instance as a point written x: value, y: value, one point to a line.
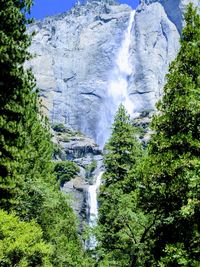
x: 122, y: 149
x: 59, y: 127
x: 17, y: 99
x: 89, y: 171
x: 149, y: 210
x: 116, y: 200
x: 171, y: 174
x: 28, y: 185
x: 150, y: 217
x: 65, y: 171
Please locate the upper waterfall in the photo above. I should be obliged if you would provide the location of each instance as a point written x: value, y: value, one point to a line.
x: 118, y: 88
x: 118, y: 85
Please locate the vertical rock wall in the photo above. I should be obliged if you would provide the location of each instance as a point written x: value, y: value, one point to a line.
x: 76, y: 54
x: 155, y: 43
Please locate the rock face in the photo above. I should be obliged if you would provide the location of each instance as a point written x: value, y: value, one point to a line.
x: 74, y: 146
x: 76, y: 53
x: 155, y: 42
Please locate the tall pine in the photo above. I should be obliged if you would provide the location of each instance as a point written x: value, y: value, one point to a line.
x: 27, y: 183
x: 115, y: 228
x: 172, y: 170
x: 18, y: 100
x: 123, y: 149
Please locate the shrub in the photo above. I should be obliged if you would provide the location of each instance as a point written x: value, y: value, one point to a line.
x: 59, y: 127
x: 89, y: 169
x: 21, y: 243
x: 65, y: 171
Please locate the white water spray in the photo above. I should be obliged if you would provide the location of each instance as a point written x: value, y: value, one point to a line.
x: 118, y: 86
x: 93, y: 207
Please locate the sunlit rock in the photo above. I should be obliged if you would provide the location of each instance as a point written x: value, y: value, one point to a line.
x: 77, y: 56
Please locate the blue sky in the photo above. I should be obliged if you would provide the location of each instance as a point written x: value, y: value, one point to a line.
x: 43, y: 8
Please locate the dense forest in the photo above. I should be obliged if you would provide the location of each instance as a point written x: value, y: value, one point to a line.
x: 149, y: 199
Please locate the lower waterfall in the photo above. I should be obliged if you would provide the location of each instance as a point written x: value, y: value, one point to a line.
x: 93, y: 207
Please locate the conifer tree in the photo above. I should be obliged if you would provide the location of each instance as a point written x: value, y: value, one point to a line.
x: 27, y: 183
x: 17, y: 99
x: 122, y: 153
x: 172, y: 170
x: 123, y: 149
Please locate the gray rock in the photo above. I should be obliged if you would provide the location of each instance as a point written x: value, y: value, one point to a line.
x: 82, y: 150
x: 155, y: 43
x: 174, y: 9
x: 76, y: 53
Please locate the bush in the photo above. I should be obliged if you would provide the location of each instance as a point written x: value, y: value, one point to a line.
x: 57, y: 151
x: 89, y: 169
x: 59, y: 127
x: 21, y: 243
x: 65, y: 171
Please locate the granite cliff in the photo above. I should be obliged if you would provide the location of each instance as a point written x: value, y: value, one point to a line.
x: 90, y: 59
x: 76, y: 54
x: 155, y: 42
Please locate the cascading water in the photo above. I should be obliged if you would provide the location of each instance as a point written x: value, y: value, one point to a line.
x: 117, y: 94
x: 118, y: 86
x: 93, y: 207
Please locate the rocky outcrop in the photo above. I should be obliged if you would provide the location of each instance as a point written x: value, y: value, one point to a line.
x: 76, y: 53
x: 76, y: 147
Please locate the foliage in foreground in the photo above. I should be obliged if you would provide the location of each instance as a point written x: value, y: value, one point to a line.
x: 117, y: 198
x: 21, y: 243
x: 28, y: 185
x: 171, y: 172
x: 150, y: 209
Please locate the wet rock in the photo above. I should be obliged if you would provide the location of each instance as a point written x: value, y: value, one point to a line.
x: 82, y: 150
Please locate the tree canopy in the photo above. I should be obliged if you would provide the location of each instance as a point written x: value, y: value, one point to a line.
x: 116, y: 203
x: 28, y: 185
x: 171, y: 172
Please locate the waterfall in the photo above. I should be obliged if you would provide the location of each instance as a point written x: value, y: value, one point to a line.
x: 93, y: 207
x: 117, y: 86
x: 117, y: 94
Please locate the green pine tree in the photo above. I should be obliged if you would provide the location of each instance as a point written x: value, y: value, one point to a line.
x: 123, y: 149
x: 28, y: 185
x: 115, y: 228
x: 17, y: 100
x: 172, y: 169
